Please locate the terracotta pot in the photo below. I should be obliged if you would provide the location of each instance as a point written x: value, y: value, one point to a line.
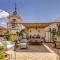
x: 57, y: 44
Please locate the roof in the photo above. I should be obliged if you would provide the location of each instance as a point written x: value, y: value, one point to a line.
x: 36, y: 25
x: 2, y: 28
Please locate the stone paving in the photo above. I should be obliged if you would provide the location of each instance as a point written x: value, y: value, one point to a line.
x: 34, y: 53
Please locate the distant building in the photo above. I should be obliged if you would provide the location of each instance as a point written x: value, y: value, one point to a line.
x: 13, y: 21
x: 54, y: 25
x: 15, y: 24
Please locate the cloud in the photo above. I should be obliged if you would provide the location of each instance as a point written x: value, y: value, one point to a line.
x: 3, y: 14
x: 3, y: 17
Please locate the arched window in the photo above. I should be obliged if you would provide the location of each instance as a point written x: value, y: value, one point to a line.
x: 14, y: 20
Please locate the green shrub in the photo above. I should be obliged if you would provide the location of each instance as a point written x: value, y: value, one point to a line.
x: 2, y: 55
x: 2, y: 52
x: 1, y: 47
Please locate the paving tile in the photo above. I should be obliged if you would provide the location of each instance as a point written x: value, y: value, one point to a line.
x: 35, y: 55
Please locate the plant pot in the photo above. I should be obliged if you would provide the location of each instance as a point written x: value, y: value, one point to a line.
x: 57, y: 44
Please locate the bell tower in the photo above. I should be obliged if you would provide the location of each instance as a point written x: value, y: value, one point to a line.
x: 13, y: 21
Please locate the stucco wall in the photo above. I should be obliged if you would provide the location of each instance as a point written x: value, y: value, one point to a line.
x: 48, y: 36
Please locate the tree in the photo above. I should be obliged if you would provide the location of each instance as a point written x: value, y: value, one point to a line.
x: 58, y: 36
x: 22, y: 32
x: 15, y: 37
x: 54, y: 34
x: 58, y: 32
x: 8, y: 35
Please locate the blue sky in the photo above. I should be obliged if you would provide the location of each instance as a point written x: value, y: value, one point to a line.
x: 33, y: 10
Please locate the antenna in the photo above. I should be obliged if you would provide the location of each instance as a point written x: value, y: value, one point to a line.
x: 15, y: 9
x: 15, y: 6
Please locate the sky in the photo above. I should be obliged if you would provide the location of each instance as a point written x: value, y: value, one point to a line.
x: 34, y: 11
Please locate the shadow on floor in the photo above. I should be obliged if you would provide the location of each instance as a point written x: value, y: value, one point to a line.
x: 34, y: 48
x: 57, y: 51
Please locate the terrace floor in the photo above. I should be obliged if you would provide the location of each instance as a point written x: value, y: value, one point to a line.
x: 35, y: 52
